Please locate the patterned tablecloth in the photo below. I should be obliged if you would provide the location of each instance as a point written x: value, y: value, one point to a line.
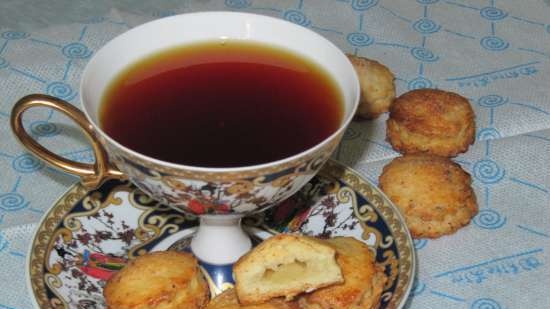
x: 496, y: 53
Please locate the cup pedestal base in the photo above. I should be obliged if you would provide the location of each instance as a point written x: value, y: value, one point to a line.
x: 220, y: 240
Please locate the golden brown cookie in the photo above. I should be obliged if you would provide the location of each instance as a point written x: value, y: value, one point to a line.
x: 285, y: 265
x: 159, y: 280
x: 377, y: 87
x: 228, y: 300
x: 363, y: 283
x: 433, y: 193
x: 431, y: 121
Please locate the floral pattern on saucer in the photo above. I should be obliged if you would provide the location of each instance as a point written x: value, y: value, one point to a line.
x: 89, y: 235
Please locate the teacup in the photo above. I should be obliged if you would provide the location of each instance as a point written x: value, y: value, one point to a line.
x: 179, y: 186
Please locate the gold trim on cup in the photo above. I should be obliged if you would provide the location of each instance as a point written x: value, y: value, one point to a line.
x: 91, y: 175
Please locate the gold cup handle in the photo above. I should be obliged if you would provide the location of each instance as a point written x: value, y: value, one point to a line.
x: 91, y: 175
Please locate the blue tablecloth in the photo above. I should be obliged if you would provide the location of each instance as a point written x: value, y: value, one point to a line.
x: 496, y: 53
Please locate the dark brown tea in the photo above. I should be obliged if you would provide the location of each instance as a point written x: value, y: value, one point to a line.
x: 222, y: 105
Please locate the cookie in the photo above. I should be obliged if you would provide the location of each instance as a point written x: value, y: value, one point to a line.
x: 377, y: 87
x: 158, y: 280
x: 363, y: 284
x: 431, y: 121
x: 284, y: 266
x: 433, y: 193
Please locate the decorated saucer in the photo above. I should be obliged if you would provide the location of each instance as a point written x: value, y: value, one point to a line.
x: 89, y: 235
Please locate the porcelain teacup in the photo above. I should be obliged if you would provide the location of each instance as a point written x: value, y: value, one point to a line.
x: 232, y: 192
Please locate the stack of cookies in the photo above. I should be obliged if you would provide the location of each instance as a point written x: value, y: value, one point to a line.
x: 428, y: 127
x: 284, y: 272
x: 336, y: 273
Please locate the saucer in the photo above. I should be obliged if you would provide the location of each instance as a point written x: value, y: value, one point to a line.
x: 89, y: 235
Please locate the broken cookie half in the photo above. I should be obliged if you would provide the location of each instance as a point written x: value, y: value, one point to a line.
x: 285, y: 265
